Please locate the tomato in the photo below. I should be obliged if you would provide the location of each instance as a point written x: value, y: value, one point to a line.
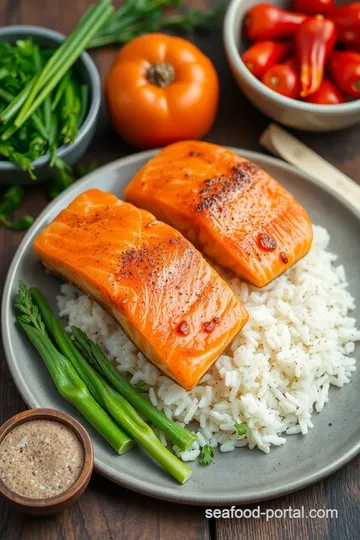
x: 283, y: 79
x: 344, y: 67
x: 328, y: 94
x: 160, y: 90
x: 264, y: 54
x: 314, y: 7
x: 347, y: 22
x: 265, y: 21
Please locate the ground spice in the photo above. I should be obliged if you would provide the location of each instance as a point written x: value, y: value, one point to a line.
x: 40, y: 459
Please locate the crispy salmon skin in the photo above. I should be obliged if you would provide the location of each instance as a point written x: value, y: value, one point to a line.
x: 233, y: 211
x: 167, y: 298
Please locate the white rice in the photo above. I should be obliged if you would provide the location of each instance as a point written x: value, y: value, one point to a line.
x: 275, y: 374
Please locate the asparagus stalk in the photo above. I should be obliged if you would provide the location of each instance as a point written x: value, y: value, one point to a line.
x: 180, y: 436
x: 117, y: 406
x: 84, y: 347
x: 66, y: 379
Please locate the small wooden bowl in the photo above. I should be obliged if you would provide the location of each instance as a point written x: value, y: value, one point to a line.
x: 52, y: 505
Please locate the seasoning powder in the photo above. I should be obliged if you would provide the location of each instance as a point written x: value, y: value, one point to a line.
x: 40, y: 459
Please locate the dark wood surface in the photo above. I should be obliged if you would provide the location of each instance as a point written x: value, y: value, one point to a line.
x: 107, y: 511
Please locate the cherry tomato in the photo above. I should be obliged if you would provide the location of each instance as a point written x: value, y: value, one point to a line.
x: 284, y: 79
x: 265, y: 21
x: 328, y: 94
x: 344, y: 67
x: 264, y: 54
x: 314, y: 7
x: 347, y: 22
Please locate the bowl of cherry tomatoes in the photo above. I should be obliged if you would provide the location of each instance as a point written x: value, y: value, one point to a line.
x: 298, y: 61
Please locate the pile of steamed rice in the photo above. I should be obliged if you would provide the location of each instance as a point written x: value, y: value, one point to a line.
x: 277, y: 371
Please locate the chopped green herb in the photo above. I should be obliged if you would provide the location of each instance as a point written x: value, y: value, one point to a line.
x: 84, y: 169
x: 63, y: 180
x: 140, y: 386
x: 241, y: 429
x: 206, y: 455
x: 12, y: 199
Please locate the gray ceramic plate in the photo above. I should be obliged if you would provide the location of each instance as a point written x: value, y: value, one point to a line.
x: 242, y: 476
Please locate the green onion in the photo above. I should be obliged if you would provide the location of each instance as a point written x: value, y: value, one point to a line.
x: 22, y: 161
x: 21, y: 224
x: 84, y: 101
x: 241, y: 429
x: 116, y: 405
x: 65, y: 377
x: 177, y: 434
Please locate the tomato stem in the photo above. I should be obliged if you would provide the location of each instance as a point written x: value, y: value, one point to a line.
x: 161, y: 74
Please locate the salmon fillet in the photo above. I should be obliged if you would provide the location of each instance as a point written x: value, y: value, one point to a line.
x: 167, y: 298
x: 230, y: 209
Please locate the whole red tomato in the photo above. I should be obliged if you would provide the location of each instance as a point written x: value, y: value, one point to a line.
x: 283, y: 79
x: 344, y: 67
x: 264, y: 54
x: 347, y: 22
x: 328, y: 94
x: 265, y: 21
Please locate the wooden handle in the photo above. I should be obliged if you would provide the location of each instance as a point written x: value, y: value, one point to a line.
x: 280, y: 143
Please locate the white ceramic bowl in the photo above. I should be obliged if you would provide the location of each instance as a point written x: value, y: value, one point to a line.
x: 290, y: 112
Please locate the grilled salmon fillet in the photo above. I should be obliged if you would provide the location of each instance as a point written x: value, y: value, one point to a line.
x: 167, y: 298
x: 233, y: 211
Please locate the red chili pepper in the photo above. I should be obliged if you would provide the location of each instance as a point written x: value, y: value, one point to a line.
x: 313, y: 7
x: 347, y: 22
x: 265, y: 21
x: 284, y: 79
x: 344, y: 67
x: 314, y: 40
x: 328, y: 94
x: 264, y: 54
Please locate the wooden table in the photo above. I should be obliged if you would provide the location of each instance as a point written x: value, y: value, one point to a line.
x: 106, y: 511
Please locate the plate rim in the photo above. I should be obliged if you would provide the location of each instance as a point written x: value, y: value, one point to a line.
x: 124, y: 479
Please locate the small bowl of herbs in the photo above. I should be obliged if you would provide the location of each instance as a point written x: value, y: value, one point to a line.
x: 50, y: 96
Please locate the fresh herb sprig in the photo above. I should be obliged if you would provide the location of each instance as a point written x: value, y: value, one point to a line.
x: 11, y: 201
x: 206, y: 455
x: 138, y: 17
x: 241, y: 429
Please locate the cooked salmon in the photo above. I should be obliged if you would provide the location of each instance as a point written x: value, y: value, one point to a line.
x: 167, y: 298
x: 233, y: 211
